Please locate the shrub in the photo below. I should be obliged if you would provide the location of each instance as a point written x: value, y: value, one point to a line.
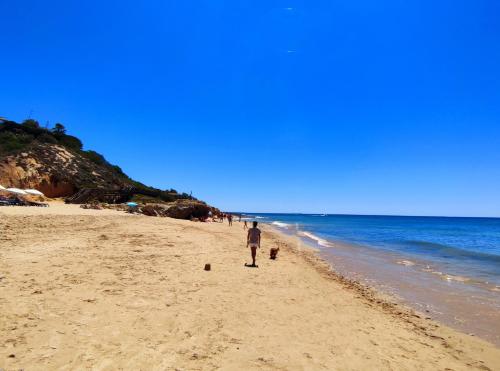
x: 47, y: 138
x: 95, y: 157
x: 70, y: 142
x: 30, y: 123
x: 10, y: 142
x: 117, y: 169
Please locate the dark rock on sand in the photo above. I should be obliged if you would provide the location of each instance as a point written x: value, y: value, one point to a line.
x: 182, y: 209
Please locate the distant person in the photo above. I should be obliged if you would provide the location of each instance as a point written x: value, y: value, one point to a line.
x: 253, y: 241
x: 239, y: 218
x: 245, y: 225
x: 230, y: 219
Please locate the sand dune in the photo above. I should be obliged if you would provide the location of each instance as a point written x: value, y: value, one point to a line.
x: 104, y: 290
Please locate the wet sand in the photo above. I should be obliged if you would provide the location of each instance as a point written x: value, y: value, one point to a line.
x: 104, y: 290
x: 464, y: 305
x: 468, y: 305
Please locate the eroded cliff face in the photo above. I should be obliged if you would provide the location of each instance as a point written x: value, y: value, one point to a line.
x: 55, y: 171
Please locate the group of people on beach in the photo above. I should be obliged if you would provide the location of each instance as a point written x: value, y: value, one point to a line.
x: 227, y: 216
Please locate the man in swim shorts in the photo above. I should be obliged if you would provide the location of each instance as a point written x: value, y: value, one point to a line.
x: 253, y: 241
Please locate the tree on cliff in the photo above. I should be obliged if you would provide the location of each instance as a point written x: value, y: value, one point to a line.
x: 59, y: 129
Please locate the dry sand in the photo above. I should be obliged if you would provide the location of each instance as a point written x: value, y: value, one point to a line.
x: 103, y: 290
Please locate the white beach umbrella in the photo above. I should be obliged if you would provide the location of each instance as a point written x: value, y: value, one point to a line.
x: 34, y: 192
x: 16, y: 190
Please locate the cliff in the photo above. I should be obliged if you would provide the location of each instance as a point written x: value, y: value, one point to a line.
x: 56, y: 164
x: 56, y: 171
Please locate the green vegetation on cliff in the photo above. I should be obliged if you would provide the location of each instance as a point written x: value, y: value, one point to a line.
x: 16, y: 137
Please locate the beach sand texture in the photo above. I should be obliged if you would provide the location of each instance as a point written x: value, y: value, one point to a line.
x: 103, y: 290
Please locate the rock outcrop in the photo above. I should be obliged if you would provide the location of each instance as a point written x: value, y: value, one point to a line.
x: 182, y: 209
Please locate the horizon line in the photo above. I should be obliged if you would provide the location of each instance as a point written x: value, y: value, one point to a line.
x: 344, y: 214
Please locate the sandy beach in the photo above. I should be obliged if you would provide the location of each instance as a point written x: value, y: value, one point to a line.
x: 104, y: 290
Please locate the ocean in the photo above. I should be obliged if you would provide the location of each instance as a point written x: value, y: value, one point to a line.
x: 446, y: 267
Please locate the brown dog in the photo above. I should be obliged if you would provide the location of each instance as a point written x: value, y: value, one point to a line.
x: 274, y: 252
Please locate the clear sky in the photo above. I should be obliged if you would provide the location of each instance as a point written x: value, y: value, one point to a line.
x: 338, y: 106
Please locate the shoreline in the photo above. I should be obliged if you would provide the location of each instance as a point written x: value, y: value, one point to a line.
x: 103, y: 289
x: 386, y: 300
x: 444, y: 297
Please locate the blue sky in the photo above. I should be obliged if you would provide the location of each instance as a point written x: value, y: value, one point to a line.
x: 388, y: 107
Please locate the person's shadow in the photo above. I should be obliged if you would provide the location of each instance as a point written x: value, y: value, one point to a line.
x: 251, y: 265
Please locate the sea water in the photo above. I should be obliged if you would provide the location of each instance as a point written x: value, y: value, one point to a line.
x: 445, y: 266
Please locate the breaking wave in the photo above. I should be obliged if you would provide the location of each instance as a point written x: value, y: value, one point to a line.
x: 281, y: 224
x: 320, y: 241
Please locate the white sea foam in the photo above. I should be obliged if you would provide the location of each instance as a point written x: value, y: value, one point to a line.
x: 319, y: 241
x: 407, y: 263
x: 449, y: 277
x: 281, y: 224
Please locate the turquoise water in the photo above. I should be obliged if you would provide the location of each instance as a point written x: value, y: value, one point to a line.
x: 465, y: 247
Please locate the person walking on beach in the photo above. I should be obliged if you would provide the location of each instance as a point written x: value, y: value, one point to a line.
x: 230, y: 219
x: 245, y: 225
x: 253, y: 241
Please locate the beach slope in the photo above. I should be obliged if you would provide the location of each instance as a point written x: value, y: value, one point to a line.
x: 104, y: 290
